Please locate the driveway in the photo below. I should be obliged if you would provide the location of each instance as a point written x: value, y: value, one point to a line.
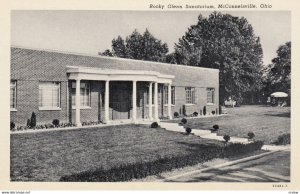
x: 271, y: 168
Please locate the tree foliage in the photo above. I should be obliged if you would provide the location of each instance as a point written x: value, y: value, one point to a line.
x: 138, y: 46
x: 227, y: 43
x: 278, y: 73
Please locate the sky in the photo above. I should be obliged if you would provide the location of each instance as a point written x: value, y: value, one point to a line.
x: 90, y: 32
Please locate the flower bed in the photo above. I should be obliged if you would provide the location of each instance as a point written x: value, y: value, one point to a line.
x: 53, y: 126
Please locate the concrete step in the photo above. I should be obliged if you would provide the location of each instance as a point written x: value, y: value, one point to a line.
x: 239, y: 140
x: 209, y: 135
x: 172, y: 127
x: 201, y: 132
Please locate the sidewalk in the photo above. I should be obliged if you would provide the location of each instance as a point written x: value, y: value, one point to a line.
x: 273, y: 166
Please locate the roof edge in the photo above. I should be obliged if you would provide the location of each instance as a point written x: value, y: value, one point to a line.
x: 110, y: 58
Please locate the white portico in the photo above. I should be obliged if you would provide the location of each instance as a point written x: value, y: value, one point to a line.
x: 109, y: 75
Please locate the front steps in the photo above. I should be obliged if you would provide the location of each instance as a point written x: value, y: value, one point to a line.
x: 207, y: 134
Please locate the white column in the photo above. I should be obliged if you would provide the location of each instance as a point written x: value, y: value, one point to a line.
x: 77, y: 102
x: 106, y: 102
x: 134, y: 101
x: 169, y: 101
x: 156, y: 101
x: 150, y: 101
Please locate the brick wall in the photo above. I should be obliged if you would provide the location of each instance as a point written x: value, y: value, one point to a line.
x: 28, y: 67
x: 28, y: 102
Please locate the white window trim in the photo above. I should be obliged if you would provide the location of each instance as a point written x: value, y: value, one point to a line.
x: 171, y: 105
x: 192, y: 97
x: 59, y: 98
x: 82, y: 107
x: 49, y: 108
x: 189, y: 104
x: 213, y: 96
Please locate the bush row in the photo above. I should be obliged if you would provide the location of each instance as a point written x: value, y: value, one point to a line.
x: 182, y: 112
x: 144, y: 169
x: 54, y: 124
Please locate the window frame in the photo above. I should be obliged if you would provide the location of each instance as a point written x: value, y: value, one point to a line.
x: 210, y: 91
x: 82, y: 103
x: 190, y: 95
x: 14, y: 86
x: 58, y: 86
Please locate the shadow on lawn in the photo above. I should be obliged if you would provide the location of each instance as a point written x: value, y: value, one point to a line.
x: 288, y: 115
x: 195, y: 147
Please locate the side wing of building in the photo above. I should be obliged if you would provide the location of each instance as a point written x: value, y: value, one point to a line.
x: 40, y: 83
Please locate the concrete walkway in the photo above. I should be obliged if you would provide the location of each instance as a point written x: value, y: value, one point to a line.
x: 207, y: 134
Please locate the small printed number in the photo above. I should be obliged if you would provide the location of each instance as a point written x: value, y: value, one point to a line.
x: 280, y: 185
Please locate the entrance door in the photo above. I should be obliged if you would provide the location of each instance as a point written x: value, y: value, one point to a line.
x: 120, y: 101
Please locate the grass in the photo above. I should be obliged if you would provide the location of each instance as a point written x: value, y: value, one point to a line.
x: 267, y: 123
x: 50, y: 155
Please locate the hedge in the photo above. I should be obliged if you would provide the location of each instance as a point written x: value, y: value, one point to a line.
x: 143, y: 169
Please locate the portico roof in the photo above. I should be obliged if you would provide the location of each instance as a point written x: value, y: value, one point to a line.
x: 91, y: 73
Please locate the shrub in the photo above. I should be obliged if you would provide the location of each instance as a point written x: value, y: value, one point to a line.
x: 183, y: 121
x: 143, y: 169
x: 154, y: 125
x: 195, y: 114
x: 215, y: 128
x: 33, y: 120
x: 226, y: 138
x: 236, y: 149
x: 28, y: 123
x: 213, y: 112
x: 12, y: 125
x: 251, y: 135
x: 188, y: 130
x: 183, y: 110
x: 204, y: 110
x: 55, y: 122
x: 283, y: 139
x: 176, y: 114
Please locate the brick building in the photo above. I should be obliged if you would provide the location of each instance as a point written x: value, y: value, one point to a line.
x: 111, y: 89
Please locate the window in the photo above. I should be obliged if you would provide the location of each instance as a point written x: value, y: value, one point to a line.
x: 190, y: 95
x: 166, y: 93
x: 13, y: 94
x: 210, y: 95
x: 49, y: 95
x: 85, y: 94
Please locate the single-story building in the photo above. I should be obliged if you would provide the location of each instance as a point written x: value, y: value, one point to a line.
x: 77, y: 88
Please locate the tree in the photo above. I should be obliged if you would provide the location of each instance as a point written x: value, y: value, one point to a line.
x: 229, y: 44
x: 118, y: 47
x: 278, y: 73
x: 136, y: 46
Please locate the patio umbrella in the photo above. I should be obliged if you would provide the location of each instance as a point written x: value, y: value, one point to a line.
x: 279, y: 95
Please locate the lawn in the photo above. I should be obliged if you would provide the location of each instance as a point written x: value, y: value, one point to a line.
x: 267, y: 123
x: 47, y: 156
